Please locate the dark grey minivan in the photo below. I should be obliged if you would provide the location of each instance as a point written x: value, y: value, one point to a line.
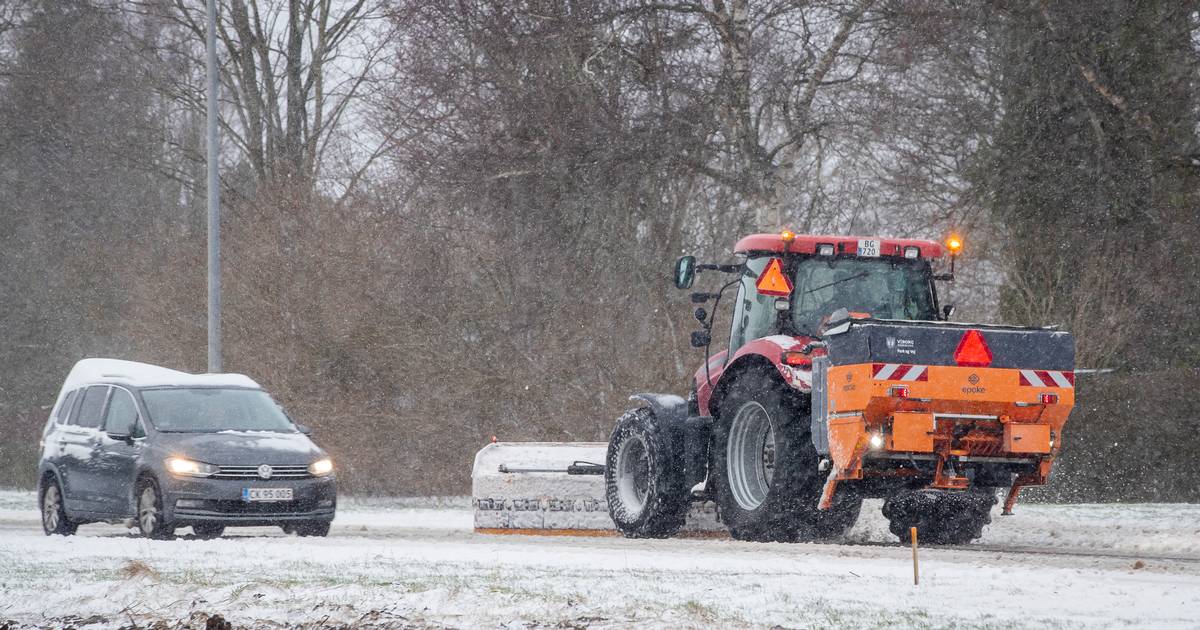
x: 164, y: 449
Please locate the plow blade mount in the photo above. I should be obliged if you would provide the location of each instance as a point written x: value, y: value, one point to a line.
x: 553, y: 488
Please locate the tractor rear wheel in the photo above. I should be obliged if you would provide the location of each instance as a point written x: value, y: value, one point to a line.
x: 643, y: 482
x: 765, y: 467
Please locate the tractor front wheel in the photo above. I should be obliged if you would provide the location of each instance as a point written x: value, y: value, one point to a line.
x: 643, y: 483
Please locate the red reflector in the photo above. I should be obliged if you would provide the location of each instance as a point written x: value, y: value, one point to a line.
x: 797, y: 359
x: 772, y: 281
x: 1049, y: 399
x: 898, y: 391
x: 973, y: 351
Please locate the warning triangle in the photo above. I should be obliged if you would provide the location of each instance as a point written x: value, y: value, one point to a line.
x: 772, y: 281
x: 973, y: 350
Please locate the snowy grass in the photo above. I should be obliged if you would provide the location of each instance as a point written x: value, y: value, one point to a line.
x: 400, y: 562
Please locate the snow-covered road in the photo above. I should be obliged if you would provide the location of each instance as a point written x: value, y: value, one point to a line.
x: 406, y: 563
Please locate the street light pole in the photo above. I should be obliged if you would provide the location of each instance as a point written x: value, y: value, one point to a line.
x: 214, y: 200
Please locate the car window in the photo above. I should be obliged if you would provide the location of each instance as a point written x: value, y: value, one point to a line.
x: 64, y: 410
x: 121, y: 414
x: 213, y: 409
x: 89, y: 411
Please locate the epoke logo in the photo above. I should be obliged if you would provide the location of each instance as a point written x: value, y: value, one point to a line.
x: 974, y: 389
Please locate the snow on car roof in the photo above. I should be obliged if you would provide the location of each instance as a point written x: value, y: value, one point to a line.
x: 89, y: 371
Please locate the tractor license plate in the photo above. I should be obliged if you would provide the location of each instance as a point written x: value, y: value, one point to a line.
x: 266, y: 494
x: 868, y: 248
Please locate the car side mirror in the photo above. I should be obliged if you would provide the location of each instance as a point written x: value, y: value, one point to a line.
x: 947, y: 311
x: 124, y: 436
x: 304, y: 428
x: 701, y: 339
x: 685, y: 272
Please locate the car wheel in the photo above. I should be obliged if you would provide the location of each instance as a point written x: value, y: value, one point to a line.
x: 150, y: 517
x: 54, y: 512
x: 313, y: 528
x: 208, y: 531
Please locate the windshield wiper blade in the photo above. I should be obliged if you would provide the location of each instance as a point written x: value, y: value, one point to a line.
x: 861, y: 274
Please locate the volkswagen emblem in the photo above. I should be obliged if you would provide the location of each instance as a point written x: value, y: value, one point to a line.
x: 264, y: 471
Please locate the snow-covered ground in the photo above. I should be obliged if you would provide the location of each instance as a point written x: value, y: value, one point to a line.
x: 416, y: 563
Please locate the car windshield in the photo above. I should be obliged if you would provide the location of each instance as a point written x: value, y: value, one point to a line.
x: 213, y: 409
x: 885, y: 289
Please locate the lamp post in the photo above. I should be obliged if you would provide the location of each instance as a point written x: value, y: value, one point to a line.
x: 214, y: 200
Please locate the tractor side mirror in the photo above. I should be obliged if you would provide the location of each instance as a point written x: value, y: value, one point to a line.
x: 947, y: 311
x: 685, y: 272
x: 701, y: 339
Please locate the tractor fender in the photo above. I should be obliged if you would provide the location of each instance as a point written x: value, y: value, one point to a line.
x: 668, y: 408
x: 687, y: 435
x: 764, y: 353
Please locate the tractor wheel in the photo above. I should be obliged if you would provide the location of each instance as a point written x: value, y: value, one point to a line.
x: 765, y: 467
x: 941, y: 517
x: 643, y: 483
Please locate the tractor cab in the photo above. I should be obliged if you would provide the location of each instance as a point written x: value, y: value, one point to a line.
x: 789, y: 286
x: 817, y: 286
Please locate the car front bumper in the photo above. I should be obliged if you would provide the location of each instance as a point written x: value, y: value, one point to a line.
x: 191, y: 500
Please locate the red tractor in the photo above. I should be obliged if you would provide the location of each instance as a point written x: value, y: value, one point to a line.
x: 843, y: 379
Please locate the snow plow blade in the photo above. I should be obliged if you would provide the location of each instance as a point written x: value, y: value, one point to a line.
x: 554, y: 489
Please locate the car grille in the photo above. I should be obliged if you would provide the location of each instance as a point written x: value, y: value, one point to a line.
x: 251, y: 472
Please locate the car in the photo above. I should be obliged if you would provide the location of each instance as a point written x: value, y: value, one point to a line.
x: 133, y: 443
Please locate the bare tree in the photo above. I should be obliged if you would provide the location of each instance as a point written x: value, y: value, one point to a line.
x: 295, y: 75
x: 774, y: 60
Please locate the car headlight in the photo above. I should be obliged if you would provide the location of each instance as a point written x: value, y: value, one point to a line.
x: 321, y: 467
x: 189, y: 468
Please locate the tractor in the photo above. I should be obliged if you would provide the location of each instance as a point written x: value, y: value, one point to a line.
x: 843, y: 379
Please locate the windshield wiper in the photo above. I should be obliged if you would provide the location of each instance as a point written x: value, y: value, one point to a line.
x: 861, y: 274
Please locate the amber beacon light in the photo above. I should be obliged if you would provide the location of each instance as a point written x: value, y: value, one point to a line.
x: 954, y: 244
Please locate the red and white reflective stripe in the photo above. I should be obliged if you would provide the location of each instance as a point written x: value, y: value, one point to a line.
x: 899, y: 372
x: 1047, y: 378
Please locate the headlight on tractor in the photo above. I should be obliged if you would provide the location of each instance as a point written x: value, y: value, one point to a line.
x: 189, y: 468
x: 321, y: 467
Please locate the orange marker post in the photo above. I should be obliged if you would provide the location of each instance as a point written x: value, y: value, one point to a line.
x: 912, y: 531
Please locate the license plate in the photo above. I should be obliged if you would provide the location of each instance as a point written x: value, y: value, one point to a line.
x: 266, y: 494
x: 868, y: 248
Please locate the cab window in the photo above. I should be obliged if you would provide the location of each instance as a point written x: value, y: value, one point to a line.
x: 885, y: 289
x: 754, y: 315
